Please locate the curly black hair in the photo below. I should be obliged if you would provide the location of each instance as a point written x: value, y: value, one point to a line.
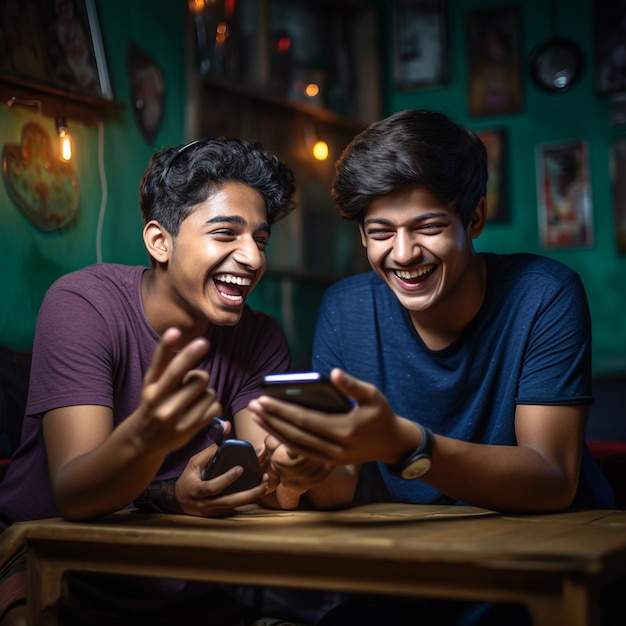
x: 177, y: 179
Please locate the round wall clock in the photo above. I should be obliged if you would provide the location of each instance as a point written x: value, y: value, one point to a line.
x: 556, y: 64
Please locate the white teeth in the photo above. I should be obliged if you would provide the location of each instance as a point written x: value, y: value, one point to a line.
x: 234, y: 280
x: 413, y: 274
x: 234, y: 298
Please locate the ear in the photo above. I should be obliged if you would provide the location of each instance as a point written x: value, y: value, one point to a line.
x: 158, y: 242
x: 479, y: 217
x: 363, y: 237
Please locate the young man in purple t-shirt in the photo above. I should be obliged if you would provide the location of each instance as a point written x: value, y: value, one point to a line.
x: 131, y: 364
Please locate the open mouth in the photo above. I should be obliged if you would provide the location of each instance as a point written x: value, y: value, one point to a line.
x: 414, y: 277
x: 232, y: 288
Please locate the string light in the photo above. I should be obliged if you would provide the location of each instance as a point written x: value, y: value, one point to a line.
x: 65, y: 140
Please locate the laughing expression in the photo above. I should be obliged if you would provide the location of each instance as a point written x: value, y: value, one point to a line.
x: 419, y: 248
x: 218, y: 256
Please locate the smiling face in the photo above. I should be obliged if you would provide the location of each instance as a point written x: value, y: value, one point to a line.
x: 206, y: 272
x: 423, y: 252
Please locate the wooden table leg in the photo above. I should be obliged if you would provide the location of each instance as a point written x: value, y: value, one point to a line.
x: 44, y: 587
x: 576, y: 606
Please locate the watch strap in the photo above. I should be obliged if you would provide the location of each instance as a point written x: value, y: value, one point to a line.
x: 423, y: 450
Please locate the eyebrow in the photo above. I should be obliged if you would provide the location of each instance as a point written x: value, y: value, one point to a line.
x: 237, y: 219
x: 419, y: 218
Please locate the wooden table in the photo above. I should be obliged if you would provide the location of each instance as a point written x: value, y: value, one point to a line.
x: 556, y: 564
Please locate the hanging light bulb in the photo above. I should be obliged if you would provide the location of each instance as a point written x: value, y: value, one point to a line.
x: 320, y: 150
x: 65, y: 140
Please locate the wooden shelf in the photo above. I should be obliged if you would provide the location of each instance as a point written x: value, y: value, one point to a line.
x: 52, y: 101
x: 318, y: 113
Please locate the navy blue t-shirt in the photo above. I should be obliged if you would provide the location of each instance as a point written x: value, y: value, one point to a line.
x: 530, y: 343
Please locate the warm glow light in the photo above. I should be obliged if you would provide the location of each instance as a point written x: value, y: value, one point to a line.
x: 320, y: 150
x: 221, y: 32
x: 195, y: 6
x: 66, y: 146
x: 311, y: 90
x: 65, y: 140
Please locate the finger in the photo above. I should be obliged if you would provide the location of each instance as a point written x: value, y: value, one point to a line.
x: 297, y: 440
x: 362, y: 392
x: 198, y: 414
x: 169, y: 370
x: 201, y: 459
x: 164, y: 353
x: 317, y: 424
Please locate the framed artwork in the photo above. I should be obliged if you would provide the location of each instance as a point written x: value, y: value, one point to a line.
x: 618, y: 180
x: 609, y: 31
x: 494, y: 61
x: 147, y: 86
x: 420, y: 44
x: 54, y: 43
x: 498, y: 190
x: 564, y: 195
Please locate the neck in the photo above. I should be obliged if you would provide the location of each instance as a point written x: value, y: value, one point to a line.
x: 163, y: 312
x: 440, y: 326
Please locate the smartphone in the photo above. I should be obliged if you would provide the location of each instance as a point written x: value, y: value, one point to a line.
x: 308, y: 389
x: 216, y: 431
x: 235, y: 452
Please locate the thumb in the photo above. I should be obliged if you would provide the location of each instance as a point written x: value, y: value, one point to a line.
x: 286, y: 498
x: 362, y: 392
x: 204, y: 457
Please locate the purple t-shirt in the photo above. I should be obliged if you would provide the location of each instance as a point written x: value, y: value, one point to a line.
x: 93, y: 345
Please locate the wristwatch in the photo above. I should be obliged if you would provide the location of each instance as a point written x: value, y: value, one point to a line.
x: 417, y: 463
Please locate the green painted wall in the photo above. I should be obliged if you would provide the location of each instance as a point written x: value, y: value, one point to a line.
x: 108, y: 224
x: 575, y: 114
x: 34, y: 259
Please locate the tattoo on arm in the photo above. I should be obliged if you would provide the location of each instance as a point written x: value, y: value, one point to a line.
x: 159, y: 497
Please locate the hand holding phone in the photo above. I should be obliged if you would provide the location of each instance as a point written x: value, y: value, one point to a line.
x: 308, y: 389
x: 235, y: 452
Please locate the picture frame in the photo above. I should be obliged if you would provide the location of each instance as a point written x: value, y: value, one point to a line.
x: 564, y: 195
x: 618, y: 184
x: 57, y: 45
x: 494, y: 60
x: 498, y: 187
x: 609, y: 35
x: 420, y: 44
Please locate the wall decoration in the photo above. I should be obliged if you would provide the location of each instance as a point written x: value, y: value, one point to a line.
x: 494, y: 61
x: 42, y: 187
x: 618, y: 179
x: 420, y: 52
x: 564, y: 194
x: 498, y: 189
x: 147, y: 87
x: 56, y: 43
x: 609, y: 30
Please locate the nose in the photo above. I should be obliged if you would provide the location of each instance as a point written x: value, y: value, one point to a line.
x: 248, y: 253
x: 405, y: 248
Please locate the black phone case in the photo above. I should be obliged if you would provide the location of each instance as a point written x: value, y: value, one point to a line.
x: 311, y: 390
x: 235, y: 452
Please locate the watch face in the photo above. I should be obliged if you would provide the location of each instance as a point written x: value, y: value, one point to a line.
x: 416, y: 469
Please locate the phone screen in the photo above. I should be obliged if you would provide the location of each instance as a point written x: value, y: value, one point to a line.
x: 308, y: 389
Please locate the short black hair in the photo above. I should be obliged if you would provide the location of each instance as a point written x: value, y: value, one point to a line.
x: 179, y: 178
x: 413, y: 147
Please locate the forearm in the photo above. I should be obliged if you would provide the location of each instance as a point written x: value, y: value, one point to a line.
x: 502, y: 478
x: 336, y: 491
x: 107, y: 478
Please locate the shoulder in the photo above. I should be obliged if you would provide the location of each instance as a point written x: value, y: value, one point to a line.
x: 530, y: 271
x: 520, y: 265
x: 101, y: 275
